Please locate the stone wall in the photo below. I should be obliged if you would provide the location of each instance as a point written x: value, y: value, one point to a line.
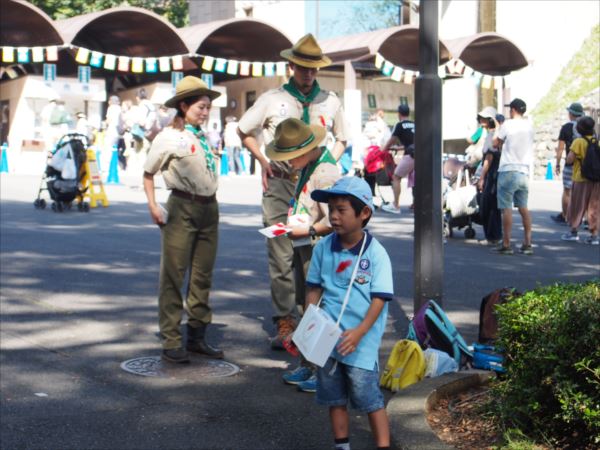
x: 546, y: 135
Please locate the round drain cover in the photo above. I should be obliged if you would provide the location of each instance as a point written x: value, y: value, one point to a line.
x: 199, y: 367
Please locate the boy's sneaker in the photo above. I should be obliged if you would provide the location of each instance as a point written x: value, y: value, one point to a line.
x: 593, y: 240
x: 502, y: 250
x: 298, y: 375
x: 526, y: 250
x: 558, y: 218
x: 570, y: 236
x: 309, y: 385
x: 388, y: 207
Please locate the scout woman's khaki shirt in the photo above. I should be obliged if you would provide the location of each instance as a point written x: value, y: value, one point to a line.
x: 181, y: 159
x: 276, y: 105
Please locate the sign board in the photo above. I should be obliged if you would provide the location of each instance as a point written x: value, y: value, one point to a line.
x: 208, y: 79
x: 49, y: 72
x: 84, y: 73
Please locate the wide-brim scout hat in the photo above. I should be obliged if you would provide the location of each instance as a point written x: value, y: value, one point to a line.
x: 306, y: 53
x: 294, y: 138
x: 489, y: 112
x: 190, y: 87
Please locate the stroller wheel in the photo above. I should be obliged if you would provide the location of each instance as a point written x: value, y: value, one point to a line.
x: 36, y: 203
x: 42, y: 203
x: 469, y: 233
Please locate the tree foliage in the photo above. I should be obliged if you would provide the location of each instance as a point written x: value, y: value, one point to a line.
x: 175, y: 11
x: 369, y: 16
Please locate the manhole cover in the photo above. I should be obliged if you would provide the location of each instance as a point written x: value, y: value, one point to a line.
x: 153, y: 366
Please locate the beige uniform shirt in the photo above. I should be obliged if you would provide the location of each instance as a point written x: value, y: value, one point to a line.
x: 276, y: 105
x: 324, y: 176
x: 182, y: 161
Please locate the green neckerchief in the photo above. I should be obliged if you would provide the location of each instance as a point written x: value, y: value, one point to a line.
x: 306, y: 100
x: 210, y: 158
x: 307, y: 172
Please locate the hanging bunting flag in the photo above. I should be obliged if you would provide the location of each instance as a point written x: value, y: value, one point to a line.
x: 164, y: 64
x: 408, y: 77
x: 245, y: 68
x: 8, y: 54
x: 23, y: 55
x: 486, y: 82
x: 207, y: 64
x: 269, y: 69
x: 96, y: 59
x: 110, y: 62
x: 497, y: 82
x: 37, y: 54
x: 387, y: 68
x: 378, y: 60
x: 137, y: 65
x: 177, y: 62
x: 467, y: 72
x: 220, y: 65
x: 151, y: 65
x: 280, y: 71
x: 82, y: 55
x: 52, y: 53
x: 232, y: 67
x: 256, y: 69
x: 397, y: 74
x: 123, y: 63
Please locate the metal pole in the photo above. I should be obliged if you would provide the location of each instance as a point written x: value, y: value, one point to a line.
x: 428, y: 249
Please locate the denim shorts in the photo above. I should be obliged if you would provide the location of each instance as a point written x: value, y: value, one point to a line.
x: 513, y: 187
x: 345, y: 383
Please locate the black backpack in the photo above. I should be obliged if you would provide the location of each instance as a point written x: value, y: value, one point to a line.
x: 590, y: 166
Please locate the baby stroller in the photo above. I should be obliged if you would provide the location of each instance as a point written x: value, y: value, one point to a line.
x: 64, y: 173
x: 460, y: 198
x: 378, y: 170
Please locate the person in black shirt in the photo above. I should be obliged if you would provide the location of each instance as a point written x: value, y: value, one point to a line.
x: 566, y: 136
x: 403, y: 134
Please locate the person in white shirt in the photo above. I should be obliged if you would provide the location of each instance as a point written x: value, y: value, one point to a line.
x: 516, y: 138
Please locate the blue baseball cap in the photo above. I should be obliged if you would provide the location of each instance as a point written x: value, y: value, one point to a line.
x: 354, y: 186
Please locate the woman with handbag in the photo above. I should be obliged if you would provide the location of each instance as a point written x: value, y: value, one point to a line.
x: 189, y: 226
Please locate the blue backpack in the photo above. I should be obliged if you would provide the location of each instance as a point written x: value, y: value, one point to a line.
x: 431, y: 327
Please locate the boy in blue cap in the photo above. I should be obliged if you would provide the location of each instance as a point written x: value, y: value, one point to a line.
x: 352, y: 371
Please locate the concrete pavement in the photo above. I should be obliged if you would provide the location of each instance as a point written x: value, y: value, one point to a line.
x: 78, y: 297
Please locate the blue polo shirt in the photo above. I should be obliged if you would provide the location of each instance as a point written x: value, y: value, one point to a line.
x: 331, y: 267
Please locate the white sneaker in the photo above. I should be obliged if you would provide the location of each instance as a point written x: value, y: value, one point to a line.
x: 570, y: 236
x: 388, y: 207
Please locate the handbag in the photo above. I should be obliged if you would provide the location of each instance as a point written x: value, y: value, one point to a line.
x: 317, y: 333
x: 462, y: 201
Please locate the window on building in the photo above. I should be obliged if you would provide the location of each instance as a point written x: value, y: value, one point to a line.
x: 404, y: 101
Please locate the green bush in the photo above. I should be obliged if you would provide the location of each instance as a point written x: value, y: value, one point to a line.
x: 551, y: 390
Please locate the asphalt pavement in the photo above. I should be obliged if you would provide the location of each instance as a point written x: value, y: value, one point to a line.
x: 78, y: 298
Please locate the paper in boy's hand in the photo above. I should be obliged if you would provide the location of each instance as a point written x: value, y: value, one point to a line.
x: 278, y: 229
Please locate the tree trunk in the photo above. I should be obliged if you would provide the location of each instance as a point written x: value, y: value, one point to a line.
x: 486, y: 22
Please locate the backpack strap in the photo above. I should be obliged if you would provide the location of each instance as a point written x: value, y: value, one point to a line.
x: 437, y: 315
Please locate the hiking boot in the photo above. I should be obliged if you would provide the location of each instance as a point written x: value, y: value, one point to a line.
x: 570, y: 236
x: 175, y: 355
x: 309, y: 385
x: 285, y: 327
x: 593, y: 240
x: 558, y: 218
x: 502, y: 250
x: 197, y: 344
x: 526, y: 250
x: 298, y: 375
x: 388, y: 207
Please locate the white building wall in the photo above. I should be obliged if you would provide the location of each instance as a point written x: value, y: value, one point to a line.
x: 549, y: 33
x: 285, y: 15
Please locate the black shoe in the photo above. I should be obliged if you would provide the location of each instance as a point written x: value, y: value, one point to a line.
x: 205, y: 349
x: 175, y: 355
x: 197, y: 344
x: 558, y: 218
